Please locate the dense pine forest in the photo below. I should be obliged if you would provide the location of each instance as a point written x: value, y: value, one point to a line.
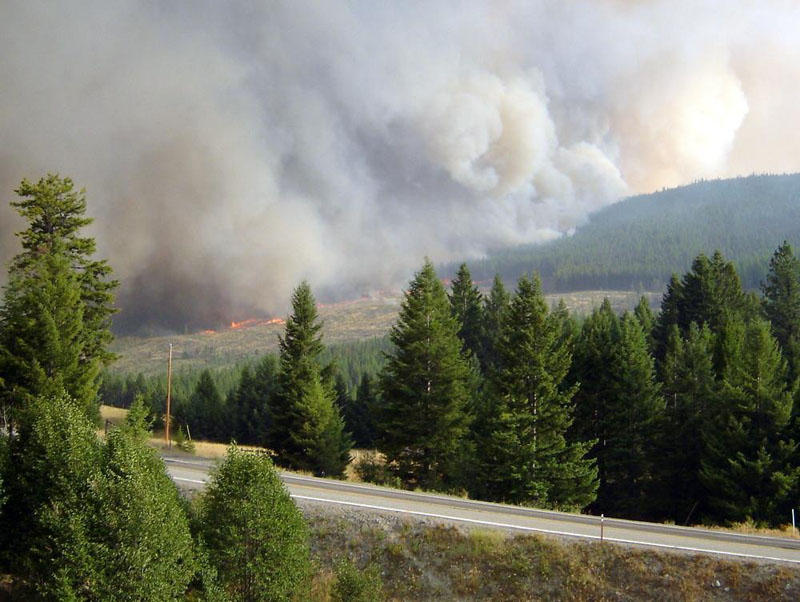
x: 637, y: 243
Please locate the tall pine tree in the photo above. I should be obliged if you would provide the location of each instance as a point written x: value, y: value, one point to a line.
x: 423, y: 419
x: 467, y: 303
x: 41, y: 326
x: 749, y: 468
x: 56, y: 259
x: 691, y: 395
x: 251, y: 399
x: 307, y: 430
x: 617, y: 405
x: 495, y: 306
x: 635, y: 407
x: 782, y: 303
x: 523, y: 456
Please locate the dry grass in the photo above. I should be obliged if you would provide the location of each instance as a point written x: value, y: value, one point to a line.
x: 431, y: 562
x: 751, y: 529
x: 204, y: 449
x: 115, y: 416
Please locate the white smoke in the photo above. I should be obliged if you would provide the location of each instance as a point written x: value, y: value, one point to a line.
x: 231, y: 149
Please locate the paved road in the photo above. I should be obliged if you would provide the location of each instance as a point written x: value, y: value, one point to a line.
x: 193, y: 473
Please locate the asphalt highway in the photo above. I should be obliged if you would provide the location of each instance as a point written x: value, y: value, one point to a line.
x: 194, y: 473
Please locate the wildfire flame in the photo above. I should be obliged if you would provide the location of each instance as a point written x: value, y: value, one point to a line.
x: 255, y: 322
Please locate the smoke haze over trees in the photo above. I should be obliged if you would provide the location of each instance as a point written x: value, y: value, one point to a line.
x: 231, y: 150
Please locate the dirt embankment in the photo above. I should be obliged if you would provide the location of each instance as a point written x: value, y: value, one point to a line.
x: 420, y: 560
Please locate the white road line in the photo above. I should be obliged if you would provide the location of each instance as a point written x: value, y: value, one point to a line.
x: 548, y: 531
x: 190, y: 463
x: 189, y: 480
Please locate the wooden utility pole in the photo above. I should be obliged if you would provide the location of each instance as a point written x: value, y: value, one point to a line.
x: 169, y: 396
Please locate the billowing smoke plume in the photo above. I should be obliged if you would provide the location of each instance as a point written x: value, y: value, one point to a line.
x: 230, y: 149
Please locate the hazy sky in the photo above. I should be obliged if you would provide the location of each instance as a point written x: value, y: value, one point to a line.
x: 231, y: 149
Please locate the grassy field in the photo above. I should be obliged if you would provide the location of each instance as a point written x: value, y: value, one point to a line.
x: 342, y: 322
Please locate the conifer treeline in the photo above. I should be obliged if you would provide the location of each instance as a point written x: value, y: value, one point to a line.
x: 638, y: 242
x: 688, y: 415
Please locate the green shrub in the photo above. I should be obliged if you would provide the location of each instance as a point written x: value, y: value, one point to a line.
x: 53, y: 477
x: 254, y: 534
x: 371, y: 468
x: 87, y: 520
x: 354, y: 585
x: 182, y: 442
x: 147, y: 549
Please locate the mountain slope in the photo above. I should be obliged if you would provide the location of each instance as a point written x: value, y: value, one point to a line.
x: 640, y: 241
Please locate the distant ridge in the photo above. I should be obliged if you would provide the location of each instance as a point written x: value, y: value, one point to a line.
x: 637, y: 243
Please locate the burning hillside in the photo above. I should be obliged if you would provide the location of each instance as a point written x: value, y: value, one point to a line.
x: 251, y: 322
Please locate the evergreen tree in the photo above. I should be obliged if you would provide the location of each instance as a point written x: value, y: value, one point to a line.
x: 593, y: 354
x: 319, y: 433
x: 691, y: 395
x: 423, y: 418
x: 255, y: 535
x: 635, y: 406
x: 204, y: 412
x: 52, y: 244
x: 307, y: 429
x: 495, y: 306
x: 749, y: 469
x: 47, y: 521
x: 668, y: 317
x: 617, y: 405
x: 524, y: 457
x: 360, y: 413
x: 568, y: 326
x: 251, y: 399
x: 647, y: 321
x: 709, y: 293
x: 240, y: 402
x: 782, y: 303
x: 467, y: 305
x: 712, y: 292
x: 300, y: 347
x: 41, y: 326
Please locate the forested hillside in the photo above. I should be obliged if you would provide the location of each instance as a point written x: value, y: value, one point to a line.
x: 638, y: 243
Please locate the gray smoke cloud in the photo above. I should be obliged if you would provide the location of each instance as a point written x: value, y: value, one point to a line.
x: 230, y: 150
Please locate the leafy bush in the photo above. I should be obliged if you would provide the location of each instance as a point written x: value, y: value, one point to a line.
x: 54, y: 473
x: 254, y: 534
x: 182, y: 442
x: 354, y: 585
x: 142, y: 528
x: 371, y: 468
x: 87, y: 520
